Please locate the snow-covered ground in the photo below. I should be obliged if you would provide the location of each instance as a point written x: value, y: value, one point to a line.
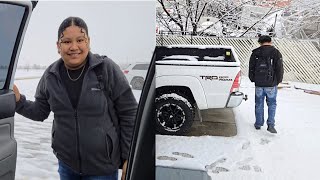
x: 27, y: 74
x: 292, y: 154
x: 35, y: 157
x: 251, y: 154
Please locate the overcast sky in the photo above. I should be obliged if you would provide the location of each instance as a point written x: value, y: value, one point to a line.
x: 122, y: 30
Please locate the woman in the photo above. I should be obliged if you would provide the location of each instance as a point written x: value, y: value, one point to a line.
x: 85, y: 139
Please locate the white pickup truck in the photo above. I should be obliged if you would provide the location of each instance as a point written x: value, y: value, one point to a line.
x: 191, y: 78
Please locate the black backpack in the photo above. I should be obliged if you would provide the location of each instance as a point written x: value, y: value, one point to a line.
x: 105, y: 86
x: 264, y: 70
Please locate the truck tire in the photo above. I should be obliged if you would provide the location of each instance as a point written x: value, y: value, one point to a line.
x: 137, y: 83
x: 174, y: 114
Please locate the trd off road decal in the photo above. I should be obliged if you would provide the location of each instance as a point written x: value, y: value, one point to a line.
x: 209, y: 77
x: 219, y: 78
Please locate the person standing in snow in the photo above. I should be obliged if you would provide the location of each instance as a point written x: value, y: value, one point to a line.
x: 266, y: 71
x: 85, y: 139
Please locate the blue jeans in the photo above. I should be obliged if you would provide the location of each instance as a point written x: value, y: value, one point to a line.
x: 66, y: 173
x: 271, y: 97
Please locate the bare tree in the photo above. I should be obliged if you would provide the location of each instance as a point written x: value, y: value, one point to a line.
x: 185, y: 14
x: 258, y: 20
x: 224, y: 11
x: 302, y: 19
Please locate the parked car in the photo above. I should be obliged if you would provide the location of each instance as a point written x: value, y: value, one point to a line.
x: 14, y: 19
x: 136, y: 74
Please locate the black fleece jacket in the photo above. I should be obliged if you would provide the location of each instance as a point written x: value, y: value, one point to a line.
x: 85, y: 138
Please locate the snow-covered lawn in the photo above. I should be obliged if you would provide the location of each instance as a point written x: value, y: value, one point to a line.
x: 293, y: 153
x: 251, y: 154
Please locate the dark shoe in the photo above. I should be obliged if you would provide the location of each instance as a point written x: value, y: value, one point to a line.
x: 272, y: 129
x: 257, y: 127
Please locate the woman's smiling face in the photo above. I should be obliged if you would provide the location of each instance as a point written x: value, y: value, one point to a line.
x: 74, y: 46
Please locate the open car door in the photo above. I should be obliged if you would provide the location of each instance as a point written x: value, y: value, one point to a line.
x: 141, y: 163
x: 14, y: 17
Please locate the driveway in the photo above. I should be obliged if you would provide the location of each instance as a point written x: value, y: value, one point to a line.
x: 215, y: 122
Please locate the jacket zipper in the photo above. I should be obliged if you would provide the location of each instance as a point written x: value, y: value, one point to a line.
x: 78, y: 140
x: 77, y: 124
x: 76, y: 116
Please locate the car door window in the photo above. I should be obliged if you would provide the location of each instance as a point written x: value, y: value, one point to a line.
x: 10, y: 17
x: 13, y: 19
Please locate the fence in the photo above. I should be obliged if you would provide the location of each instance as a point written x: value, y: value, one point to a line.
x: 301, y: 57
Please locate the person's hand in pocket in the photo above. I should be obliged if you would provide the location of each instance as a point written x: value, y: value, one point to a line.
x: 124, y: 170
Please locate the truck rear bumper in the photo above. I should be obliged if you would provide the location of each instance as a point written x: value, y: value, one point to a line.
x: 235, y: 99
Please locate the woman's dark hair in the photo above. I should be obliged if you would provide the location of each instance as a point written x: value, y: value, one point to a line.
x: 263, y: 39
x: 72, y: 21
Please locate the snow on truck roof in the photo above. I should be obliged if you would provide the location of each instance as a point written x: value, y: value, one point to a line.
x: 197, y: 53
x: 200, y: 46
x: 181, y: 57
x: 193, y: 58
x: 218, y: 58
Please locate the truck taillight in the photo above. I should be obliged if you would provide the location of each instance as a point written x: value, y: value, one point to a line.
x: 236, y: 83
x: 126, y: 71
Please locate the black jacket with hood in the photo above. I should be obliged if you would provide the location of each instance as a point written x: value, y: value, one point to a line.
x: 267, y: 51
x: 85, y: 138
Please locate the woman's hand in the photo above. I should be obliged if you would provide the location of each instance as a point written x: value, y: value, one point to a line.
x: 16, y: 92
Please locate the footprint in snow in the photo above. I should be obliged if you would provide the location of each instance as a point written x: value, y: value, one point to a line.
x: 257, y: 168
x: 245, y: 161
x: 168, y: 158
x: 244, y: 165
x: 186, y: 155
x: 220, y: 169
x: 245, y: 168
x: 214, y: 164
x: 264, y: 141
x: 246, y: 145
